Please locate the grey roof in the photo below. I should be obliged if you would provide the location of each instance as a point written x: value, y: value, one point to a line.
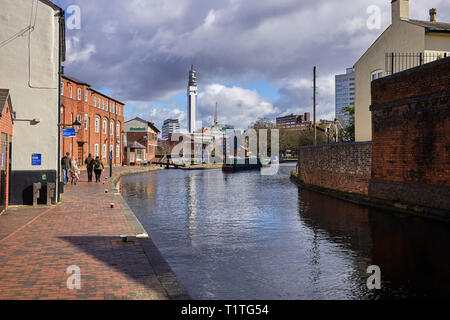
x: 432, y: 26
x: 5, y: 97
x: 135, y: 145
x: 151, y: 124
x: 76, y: 80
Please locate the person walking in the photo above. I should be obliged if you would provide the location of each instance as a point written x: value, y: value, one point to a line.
x: 98, y: 168
x: 74, y: 172
x: 89, y: 162
x: 66, y: 164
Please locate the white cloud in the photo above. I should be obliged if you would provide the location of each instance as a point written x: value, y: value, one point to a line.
x: 76, y: 53
x: 237, y: 106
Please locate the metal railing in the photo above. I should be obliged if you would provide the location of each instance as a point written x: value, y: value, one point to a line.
x: 397, y: 62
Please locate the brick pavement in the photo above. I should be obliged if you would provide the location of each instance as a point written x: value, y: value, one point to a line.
x: 38, y: 245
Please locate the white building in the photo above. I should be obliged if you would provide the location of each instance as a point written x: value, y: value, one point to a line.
x: 170, y: 126
x: 32, y: 46
x: 345, y: 94
x: 404, y: 44
x: 192, y: 101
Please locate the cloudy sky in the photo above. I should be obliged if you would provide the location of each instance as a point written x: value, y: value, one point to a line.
x: 253, y: 57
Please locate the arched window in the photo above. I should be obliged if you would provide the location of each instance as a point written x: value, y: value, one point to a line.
x: 105, y: 124
x: 97, y: 125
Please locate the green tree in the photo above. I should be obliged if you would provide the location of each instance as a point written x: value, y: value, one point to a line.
x: 348, y: 133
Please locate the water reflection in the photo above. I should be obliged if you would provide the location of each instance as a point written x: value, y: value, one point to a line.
x: 247, y: 236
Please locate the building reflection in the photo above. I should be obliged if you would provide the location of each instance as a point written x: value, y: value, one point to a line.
x: 413, y: 253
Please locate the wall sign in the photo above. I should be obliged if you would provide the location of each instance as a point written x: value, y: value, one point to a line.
x: 69, y: 133
x: 36, y: 159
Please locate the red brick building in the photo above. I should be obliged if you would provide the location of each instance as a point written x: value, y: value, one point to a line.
x: 6, y: 131
x: 101, y: 118
x: 141, y: 141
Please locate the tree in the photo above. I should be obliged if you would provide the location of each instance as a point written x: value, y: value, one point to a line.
x: 348, y: 133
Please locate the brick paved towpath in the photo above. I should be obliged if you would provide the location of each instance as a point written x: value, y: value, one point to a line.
x: 38, y: 245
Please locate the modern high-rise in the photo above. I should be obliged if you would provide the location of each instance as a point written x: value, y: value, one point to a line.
x: 170, y: 126
x: 345, y: 95
x: 192, y: 94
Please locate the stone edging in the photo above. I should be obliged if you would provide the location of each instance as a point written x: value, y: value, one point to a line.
x: 174, y: 288
x: 398, y: 208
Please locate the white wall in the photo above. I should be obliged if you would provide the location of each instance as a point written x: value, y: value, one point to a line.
x: 34, y: 87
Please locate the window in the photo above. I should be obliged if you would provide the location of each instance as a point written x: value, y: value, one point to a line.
x: 96, y: 154
x: 111, y: 128
x: 104, y: 151
x: 104, y: 127
x: 71, y: 91
x: 118, y: 130
x: 114, y: 108
x: 86, y: 95
x: 111, y: 149
x: 97, y: 125
x: 79, y: 94
x: 377, y: 75
x: 62, y: 88
x: 103, y: 104
x: 117, y: 151
x: 86, y: 121
x: 95, y: 101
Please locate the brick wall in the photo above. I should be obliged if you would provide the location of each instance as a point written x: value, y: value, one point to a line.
x: 6, y: 127
x: 411, y: 136
x: 87, y: 138
x: 343, y: 167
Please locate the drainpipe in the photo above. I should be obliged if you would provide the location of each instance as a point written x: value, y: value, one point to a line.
x: 62, y: 25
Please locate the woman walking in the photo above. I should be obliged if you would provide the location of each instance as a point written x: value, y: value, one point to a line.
x: 98, y: 168
x: 74, y: 172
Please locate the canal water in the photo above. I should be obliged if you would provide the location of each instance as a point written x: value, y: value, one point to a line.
x: 247, y: 236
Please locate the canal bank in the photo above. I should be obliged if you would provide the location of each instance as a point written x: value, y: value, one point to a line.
x: 365, y: 200
x: 46, y: 252
x: 247, y: 236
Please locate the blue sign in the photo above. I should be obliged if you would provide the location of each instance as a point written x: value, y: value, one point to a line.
x: 69, y: 133
x: 110, y: 156
x: 36, y: 159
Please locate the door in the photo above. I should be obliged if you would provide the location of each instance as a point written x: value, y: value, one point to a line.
x: 80, y: 155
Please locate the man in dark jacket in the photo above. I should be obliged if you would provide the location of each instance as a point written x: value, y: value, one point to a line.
x: 89, y: 162
x: 98, y: 168
x: 66, y: 165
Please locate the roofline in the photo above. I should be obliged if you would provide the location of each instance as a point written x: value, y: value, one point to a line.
x: 51, y: 4
x: 98, y: 92
x: 11, y: 109
x: 75, y: 80
x: 149, y: 123
x: 427, y: 30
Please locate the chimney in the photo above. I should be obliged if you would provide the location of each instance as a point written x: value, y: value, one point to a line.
x: 433, y: 13
x: 400, y: 10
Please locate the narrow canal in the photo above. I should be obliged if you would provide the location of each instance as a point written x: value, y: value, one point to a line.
x: 246, y: 236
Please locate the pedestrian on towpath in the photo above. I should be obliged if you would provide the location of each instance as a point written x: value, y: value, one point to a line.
x: 74, y: 172
x: 89, y: 162
x: 98, y: 169
x: 66, y: 164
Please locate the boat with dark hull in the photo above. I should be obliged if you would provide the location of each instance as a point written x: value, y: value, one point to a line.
x: 237, y: 167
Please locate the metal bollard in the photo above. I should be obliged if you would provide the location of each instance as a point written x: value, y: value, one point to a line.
x: 51, y: 187
x: 36, y: 192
